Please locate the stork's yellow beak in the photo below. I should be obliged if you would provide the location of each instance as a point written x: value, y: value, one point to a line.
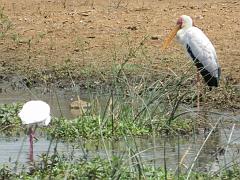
x: 170, y: 37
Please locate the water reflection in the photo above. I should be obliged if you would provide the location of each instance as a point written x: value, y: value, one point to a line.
x: 149, y: 149
x: 59, y: 100
x: 154, y: 150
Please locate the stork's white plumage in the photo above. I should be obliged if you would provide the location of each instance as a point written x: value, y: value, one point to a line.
x: 35, y: 112
x: 199, y: 48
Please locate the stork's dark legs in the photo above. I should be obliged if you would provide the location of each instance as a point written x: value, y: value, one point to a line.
x: 198, y: 91
x: 31, y: 136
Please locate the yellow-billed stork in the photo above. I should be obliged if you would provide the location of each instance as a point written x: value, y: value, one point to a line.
x: 199, y: 48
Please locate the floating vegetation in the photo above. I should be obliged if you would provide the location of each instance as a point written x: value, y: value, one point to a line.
x: 95, y: 126
x: 9, y: 121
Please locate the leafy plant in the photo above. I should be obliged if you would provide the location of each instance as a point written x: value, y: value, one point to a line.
x: 9, y: 120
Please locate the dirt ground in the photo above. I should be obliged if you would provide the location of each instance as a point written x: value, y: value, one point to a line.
x: 88, y: 36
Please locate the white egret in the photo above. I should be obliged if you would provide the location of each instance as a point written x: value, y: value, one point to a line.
x: 33, y: 113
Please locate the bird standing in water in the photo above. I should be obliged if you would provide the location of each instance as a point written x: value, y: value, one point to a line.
x: 199, y: 48
x: 34, y: 113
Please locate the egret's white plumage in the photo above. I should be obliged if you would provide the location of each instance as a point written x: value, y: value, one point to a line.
x: 199, y: 48
x: 34, y: 112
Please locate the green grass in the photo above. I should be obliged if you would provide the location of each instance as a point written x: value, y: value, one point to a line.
x: 63, y: 167
x: 91, y: 126
x: 94, y: 127
x: 60, y: 167
x: 5, y: 23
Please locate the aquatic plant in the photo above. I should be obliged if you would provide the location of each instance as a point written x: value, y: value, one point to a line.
x: 124, y: 124
x: 9, y: 121
x: 59, y: 167
x: 121, y: 116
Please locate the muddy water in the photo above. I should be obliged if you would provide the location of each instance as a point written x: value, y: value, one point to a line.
x: 59, y: 100
x: 214, y: 155
x: 150, y: 150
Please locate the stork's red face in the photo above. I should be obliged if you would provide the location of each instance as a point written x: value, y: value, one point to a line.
x: 185, y: 21
x: 180, y: 21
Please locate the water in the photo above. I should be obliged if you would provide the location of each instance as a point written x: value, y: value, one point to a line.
x: 150, y: 149
x: 59, y: 100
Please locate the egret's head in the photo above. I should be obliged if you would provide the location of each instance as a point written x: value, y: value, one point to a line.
x: 185, y: 22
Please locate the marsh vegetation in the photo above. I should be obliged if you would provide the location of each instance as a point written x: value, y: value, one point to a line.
x: 136, y: 94
x: 161, y: 110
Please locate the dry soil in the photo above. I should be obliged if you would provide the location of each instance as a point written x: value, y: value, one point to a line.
x: 92, y: 36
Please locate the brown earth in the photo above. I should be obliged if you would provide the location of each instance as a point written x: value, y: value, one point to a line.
x: 53, y: 39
